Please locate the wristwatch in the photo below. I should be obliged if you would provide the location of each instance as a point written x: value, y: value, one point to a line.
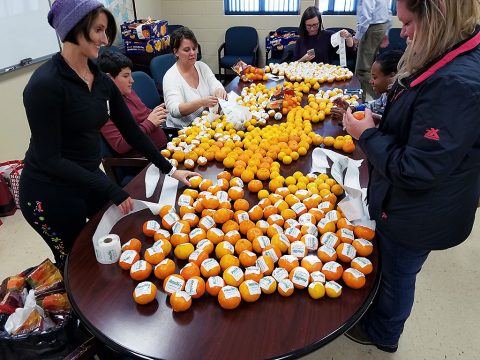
x: 170, y: 173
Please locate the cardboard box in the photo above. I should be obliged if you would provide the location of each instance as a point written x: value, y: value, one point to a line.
x: 277, y: 41
x: 152, y: 46
x: 144, y: 30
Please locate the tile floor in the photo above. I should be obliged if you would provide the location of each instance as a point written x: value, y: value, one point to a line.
x: 443, y: 324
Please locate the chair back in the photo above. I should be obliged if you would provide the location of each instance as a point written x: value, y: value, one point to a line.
x: 240, y: 40
x: 159, y: 67
x: 145, y: 88
x: 288, y: 53
x: 286, y: 29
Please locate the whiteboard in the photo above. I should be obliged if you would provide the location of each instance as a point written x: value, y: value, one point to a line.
x: 25, y: 33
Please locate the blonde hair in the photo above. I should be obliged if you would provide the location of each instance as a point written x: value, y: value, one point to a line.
x: 440, y: 24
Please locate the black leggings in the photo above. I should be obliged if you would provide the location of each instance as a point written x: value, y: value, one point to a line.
x: 57, y: 212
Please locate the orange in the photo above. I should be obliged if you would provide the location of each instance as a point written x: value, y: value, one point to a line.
x: 250, y: 291
x: 299, y: 208
x: 180, y: 301
x: 364, y: 232
x: 196, y: 235
x: 215, y: 235
x: 210, y: 267
x: 245, y: 226
x: 233, y: 276
x: 353, y: 278
x: 346, y: 252
x: 333, y: 289
x: 272, y: 251
x: 132, y: 244
x: 266, y: 264
x: 317, y: 276
x: 205, y: 184
x: 363, y: 247
x: 262, y: 225
x: 359, y: 115
x: 285, y: 287
x: 236, y: 181
x: 236, y: 193
x: 205, y: 245
x: 298, y: 249
x: 214, y: 285
x: 293, y: 234
x: 128, y: 258
x: 186, y: 209
x: 229, y: 297
x: 263, y: 174
x: 346, y: 235
x: 154, y: 255
x: 310, y: 241
x: 312, y: 263
x: 224, y: 175
x: 330, y: 239
x: 229, y: 226
x: 268, y: 285
x: 253, y: 233
x: 253, y: 273
x: 195, y: 287
x: 362, y: 264
x: 241, y: 204
x: 255, y: 213
x: 288, y: 262
x: 232, y: 237
x: 247, y: 258
x: 183, y: 251
x: 164, y: 210
x: 317, y: 213
x: 280, y: 273
x: 343, y: 223
x: 173, y: 283
x: 169, y: 220
x: 332, y: 270
x: 275, y: 219
x: 161, y: 235
x: 326, y: 253
x: 242, y: 245
x: 269, y: 210
x: 210, y: 202
x: 281, y: 242
x: 300, y: 277
x: 316, y: 290
x: 150, y: 227
x: 260, y: 242
x: 144, y: 292
x: 206, y: 223
x: 140, y: 270
x: 263, y: 203
x: 221, y: 216
x: 198, y: 256
x: 224, y: 248
x: 164, y: 269
x: 247, y: 176
x: 255, y: 186
x: 228, y: 260
x: 189, y: 270
x: 179, y: 238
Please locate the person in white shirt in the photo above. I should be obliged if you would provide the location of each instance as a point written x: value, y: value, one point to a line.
x: 374, y: 20
x: 189, y: 86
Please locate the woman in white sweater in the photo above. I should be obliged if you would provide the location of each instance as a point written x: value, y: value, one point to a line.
x: 189, y: 86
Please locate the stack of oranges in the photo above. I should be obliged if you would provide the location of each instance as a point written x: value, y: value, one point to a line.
x: 252, y: 73
x: 295, y: 238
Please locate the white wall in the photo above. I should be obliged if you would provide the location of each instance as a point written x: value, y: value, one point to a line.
x: 204, y: 17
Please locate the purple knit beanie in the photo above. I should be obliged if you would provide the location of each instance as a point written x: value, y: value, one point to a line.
x: 65, y: 14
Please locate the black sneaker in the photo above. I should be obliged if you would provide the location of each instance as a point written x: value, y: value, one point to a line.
x: 357, y: 334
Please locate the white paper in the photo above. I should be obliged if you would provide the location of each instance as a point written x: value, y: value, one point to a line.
x: 169, y: 191
x: 275, y: 77
x: 337, y: 40
x: 151, y: 180
x: 20, y: 315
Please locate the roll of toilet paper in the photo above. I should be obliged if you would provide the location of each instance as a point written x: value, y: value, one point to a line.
x: 107, y: 249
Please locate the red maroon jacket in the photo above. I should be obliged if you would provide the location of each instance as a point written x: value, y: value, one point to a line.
x: 425, y: 157
x: 140, y: 113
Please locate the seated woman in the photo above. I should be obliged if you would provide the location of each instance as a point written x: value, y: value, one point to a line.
x: 314, y: 42
x: 383, y: 74
x: 189, y: 86
x: 119, y: 68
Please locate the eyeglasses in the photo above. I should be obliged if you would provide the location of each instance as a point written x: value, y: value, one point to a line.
x: 312, y: 26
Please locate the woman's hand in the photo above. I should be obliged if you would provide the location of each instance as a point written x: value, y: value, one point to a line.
x: 306, y: 57
x: 126, y: 206
x: 183, y: 175
x: 347, y: 36
x: 220, y: 93
x: 158, y: 115
x: 337, y: 113
x: 356, y: 127
x: 209, y: 101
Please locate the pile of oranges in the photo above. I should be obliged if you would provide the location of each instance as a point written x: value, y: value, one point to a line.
x: 294, y: 238
x: 318, y: 73
x: 252, y: 73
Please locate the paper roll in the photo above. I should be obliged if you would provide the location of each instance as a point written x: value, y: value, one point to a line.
x: 107, y: 249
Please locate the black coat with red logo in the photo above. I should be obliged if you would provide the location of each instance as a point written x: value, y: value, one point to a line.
x: 425, y: 157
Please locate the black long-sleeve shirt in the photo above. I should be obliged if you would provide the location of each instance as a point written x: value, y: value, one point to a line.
x: 65, y: 118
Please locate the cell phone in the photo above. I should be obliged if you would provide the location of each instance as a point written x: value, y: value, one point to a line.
x: 311, y: 52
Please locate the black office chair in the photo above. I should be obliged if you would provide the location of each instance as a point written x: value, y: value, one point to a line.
x: 275, y: 55
x: 241, y: 43
x: 396, y: 42
x: 288, y: 53
x: 351, y: 55
x: 145, y: 88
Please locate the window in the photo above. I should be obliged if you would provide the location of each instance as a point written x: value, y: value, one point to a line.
x: 262, y: 7
x: 346, y: 7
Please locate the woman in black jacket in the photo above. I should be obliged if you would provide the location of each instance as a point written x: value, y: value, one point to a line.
x: 424, y: 158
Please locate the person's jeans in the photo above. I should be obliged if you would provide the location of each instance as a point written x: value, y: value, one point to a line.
x: 384, y: 320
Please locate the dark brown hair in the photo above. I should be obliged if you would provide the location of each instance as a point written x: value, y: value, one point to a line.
x: 84, y: 25
x: 309, y: 13
x: 181, y: 34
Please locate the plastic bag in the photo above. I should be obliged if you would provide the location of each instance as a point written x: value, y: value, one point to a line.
x: 235, y: 114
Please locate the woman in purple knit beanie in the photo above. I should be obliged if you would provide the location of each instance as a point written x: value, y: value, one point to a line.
x: 67, y: 100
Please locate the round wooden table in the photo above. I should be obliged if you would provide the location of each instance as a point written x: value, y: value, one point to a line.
x: 273, y: 327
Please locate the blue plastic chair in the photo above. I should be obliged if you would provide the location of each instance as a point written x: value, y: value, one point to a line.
x: 396, y: 42
x: 145, y: 88
x: 159, y: 66
x: 241, y: 43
